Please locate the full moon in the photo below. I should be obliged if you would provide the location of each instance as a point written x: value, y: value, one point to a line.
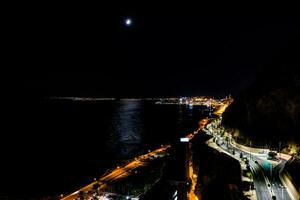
x: 128, y: 22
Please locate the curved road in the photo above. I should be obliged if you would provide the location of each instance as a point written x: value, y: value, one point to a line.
x: 265, y: 177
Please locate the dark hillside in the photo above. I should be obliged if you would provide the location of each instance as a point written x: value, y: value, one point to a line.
x: 270, y: 109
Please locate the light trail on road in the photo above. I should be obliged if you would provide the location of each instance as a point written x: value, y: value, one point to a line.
x: 224, y: 105
x: 192, y: 195
x: 119, y: 172
x: 266, y: 185
x: 202, y: 123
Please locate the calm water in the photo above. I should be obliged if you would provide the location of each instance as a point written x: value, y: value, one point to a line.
x: 62, y: 145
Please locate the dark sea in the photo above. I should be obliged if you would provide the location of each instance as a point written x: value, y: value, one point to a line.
x: 57, y: 146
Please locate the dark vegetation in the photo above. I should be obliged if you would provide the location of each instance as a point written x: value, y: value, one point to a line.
x: 269, y: 110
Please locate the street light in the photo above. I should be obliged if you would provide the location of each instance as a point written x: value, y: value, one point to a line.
x: 271, y: 184
x: 281, y: 186
x: 250, y: 150
x: 279, y: 150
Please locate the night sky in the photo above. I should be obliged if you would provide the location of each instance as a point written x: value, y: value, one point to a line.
x: 74, y: 50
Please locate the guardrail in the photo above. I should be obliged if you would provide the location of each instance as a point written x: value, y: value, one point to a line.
x: 286, y: 180
x: 249, y: 149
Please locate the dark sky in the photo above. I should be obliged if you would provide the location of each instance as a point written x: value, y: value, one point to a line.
x: 72, y: 49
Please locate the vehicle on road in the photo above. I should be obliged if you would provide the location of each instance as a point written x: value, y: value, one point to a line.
x: 241, y: 155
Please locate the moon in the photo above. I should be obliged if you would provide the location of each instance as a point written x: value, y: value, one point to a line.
x: 128, y: 21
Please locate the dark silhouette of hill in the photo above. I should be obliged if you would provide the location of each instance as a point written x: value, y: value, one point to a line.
x: 269, y: 110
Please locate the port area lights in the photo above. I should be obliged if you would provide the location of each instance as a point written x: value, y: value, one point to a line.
x: 185, y: 139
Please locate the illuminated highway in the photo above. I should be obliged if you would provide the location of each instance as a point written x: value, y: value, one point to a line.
x: 192, y: 173
x: 221, y: 107
x: 193, y: 177
x: 267, y: 184
x: 119, y: 172
x: 265, y: 173
x: 124, y: 170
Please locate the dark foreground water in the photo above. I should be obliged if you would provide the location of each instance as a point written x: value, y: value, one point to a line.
x: 58, y: 145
